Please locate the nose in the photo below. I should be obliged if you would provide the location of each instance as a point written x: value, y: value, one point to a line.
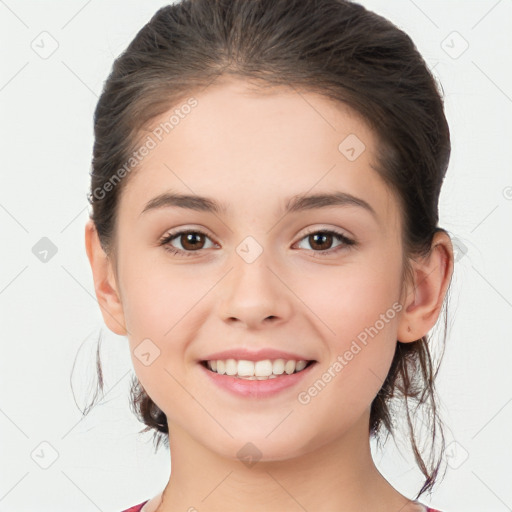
x: 254, y: 294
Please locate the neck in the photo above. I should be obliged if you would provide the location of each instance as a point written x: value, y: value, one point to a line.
x: 337, y: 476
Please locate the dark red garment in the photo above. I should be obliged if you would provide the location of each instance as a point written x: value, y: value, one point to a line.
x: 137, y: 508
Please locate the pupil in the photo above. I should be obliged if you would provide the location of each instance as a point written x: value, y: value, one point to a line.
x: 190, y: 239
x: 325, y: 236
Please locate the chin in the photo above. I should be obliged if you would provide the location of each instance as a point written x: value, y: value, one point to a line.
x: 260, y: 448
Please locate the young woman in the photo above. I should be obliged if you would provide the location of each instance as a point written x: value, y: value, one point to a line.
x: 264, y: 230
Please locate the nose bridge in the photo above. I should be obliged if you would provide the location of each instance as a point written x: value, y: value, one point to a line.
x: 252, y: 292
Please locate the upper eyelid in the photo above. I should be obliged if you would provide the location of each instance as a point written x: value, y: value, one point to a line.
x: 171, y: 235
x: 337, y: 231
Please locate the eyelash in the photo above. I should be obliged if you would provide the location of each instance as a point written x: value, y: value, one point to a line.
x: 347, y: 243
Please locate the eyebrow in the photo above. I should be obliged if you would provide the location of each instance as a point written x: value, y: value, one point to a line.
x: 296, y: 203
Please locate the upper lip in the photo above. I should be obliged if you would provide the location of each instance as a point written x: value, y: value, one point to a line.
x: 255, y: 355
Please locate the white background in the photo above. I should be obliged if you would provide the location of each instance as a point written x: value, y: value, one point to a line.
x: 49, y: 313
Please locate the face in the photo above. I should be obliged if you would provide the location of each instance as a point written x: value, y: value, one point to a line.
x: 319, y: 282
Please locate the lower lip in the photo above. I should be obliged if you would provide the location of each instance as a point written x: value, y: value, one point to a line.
x: 257, y: 388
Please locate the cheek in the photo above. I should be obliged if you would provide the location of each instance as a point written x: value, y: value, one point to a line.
x: 351, y: 299
x: 162, y: 310
x: 359, y: 309
x: 155, y: 299
x: 342, y: 390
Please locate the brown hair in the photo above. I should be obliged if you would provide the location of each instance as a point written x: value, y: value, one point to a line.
x: 333, y: 47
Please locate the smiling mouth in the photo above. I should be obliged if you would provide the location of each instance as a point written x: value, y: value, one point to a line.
x: 257, y: 370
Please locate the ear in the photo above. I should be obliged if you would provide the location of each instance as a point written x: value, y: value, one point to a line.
x: 424, y: 297
x: 105, y: 284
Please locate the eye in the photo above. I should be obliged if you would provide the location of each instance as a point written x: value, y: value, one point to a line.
x: 323, y: 239
x: 190, y: 240
x: 194, y: 241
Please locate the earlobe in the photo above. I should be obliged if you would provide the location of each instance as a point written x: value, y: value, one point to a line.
x: 424, y: 298
x: 105, y: 285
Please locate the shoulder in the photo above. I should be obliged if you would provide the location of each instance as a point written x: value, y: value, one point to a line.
x: 425, y: 508
x: 136, y: 508
x: 416, y: 506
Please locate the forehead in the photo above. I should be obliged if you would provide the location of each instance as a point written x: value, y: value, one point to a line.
x: 245, y: 145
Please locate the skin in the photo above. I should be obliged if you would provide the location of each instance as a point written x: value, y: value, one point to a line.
x: 252, y: 150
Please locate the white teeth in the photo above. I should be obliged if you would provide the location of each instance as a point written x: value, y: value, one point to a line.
x: 289, y: 367
x: 221, y: 367
x: 231, y: 367
x: 300, y: 365
x: 263, y: 368
x: 278, y: 366
x: 256, y: 370
x: 246, y: 368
